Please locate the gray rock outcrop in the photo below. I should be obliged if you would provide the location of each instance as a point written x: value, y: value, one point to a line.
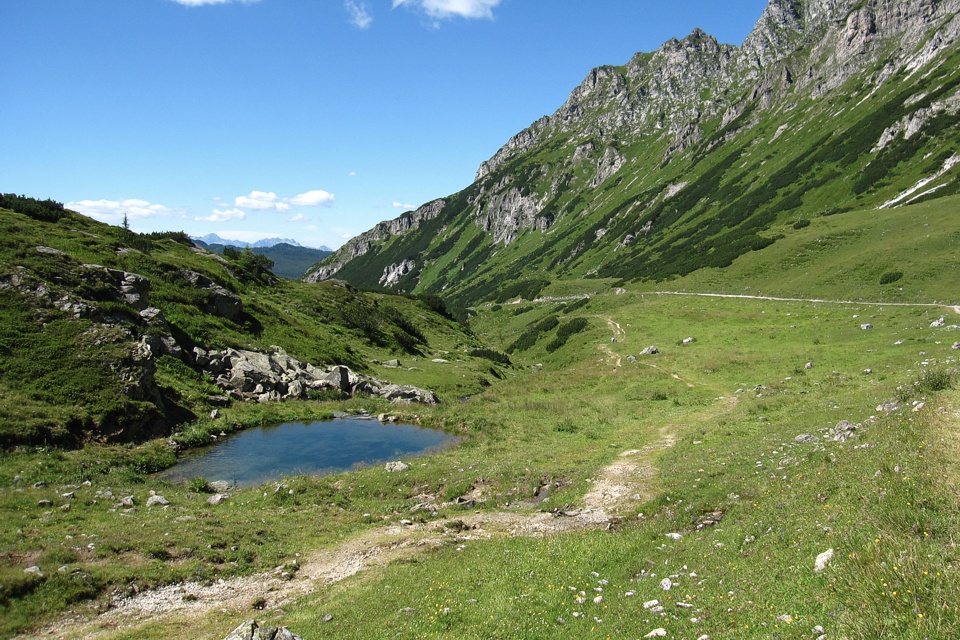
x: 275, y: 376
x: 220, y: 301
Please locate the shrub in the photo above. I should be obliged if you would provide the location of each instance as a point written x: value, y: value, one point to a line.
x: 199, y: 485
x: 890, y: 276
x: 46, y: 210
x: 932, y: 380
x: 800, y: 224
x: 490, y: 354
x: 573, y: 327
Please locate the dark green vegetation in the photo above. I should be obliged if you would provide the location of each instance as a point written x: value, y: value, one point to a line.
x: 288, y: 261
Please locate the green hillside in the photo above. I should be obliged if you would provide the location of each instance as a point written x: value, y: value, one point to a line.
x: 74, y: 366
x: 631, y: 182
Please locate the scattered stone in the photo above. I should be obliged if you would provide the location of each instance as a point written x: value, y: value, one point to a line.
x: 785, y: 618
x: 823, y: 560
x: 657, y: 633
x: 35, y: 570
x: 936, y: 324
x: 253, y: 630
x: 666, y: 584
x: 956, y: 345
x: 392, y: 364
x: 689, y: 340
x: 396, y: 466
x: 866, y: 326
x: 649, y: 604
x: 806, y: 438
x: 711, y: 518
x: 45, y: 503
x: 674, y: 536
x: 650, y: 351
x: 843, y: 431
x: 327, y: 618
x: 157, y: 500
x: 50, y: 251
x: 888, y: 407
x: 217, y: 498
x: 220, y: 486
x: 809, y: 365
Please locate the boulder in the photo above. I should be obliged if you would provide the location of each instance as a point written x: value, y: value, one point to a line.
x: 253, y: 630
x: 157, y: 500
x: 396, y: 466
x: 650, y: 351
x: 405, y: 394
x: 220, y: 301
x: 823, y: 560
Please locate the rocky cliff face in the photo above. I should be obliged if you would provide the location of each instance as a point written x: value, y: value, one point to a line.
x: 589, y: 179
x: 361, y: 244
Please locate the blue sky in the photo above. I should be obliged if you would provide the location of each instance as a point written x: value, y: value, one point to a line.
x: 304, y: 119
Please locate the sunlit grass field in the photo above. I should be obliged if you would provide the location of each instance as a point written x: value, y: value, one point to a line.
x: 733, y: 400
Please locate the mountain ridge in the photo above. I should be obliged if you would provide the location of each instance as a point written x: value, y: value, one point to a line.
x: 691, y: 155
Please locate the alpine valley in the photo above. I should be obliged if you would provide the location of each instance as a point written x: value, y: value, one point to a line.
x: 697, y: 333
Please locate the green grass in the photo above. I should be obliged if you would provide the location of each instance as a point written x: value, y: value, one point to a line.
x: 559, y: 424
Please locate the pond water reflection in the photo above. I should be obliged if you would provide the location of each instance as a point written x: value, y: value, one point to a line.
x: 316, y: 448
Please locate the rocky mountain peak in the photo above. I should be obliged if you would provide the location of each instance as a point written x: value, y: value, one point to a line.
x: 628, y: 137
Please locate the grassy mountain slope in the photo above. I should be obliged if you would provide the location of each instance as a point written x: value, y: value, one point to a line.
x: 689, y: 157
x: 74, y: 368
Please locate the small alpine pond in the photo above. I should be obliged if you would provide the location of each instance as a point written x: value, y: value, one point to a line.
x: 257, y: 455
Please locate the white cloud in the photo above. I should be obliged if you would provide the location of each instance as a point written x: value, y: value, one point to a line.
x: 201, y: 3
x: 352, y: 174
x: 401, y: 205
x: 223, y: 215
x: 315, y: 198
x: 261, y: 201
x: 267, y: 200
x: 298, y: 218
x: 359, y: 15
x: 114, y: 210
x: 441, y: 9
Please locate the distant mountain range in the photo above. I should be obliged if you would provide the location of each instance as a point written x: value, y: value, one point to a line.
x: 212, y: 238
x: 290, y: 258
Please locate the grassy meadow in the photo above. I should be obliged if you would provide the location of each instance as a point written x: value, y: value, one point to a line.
x: 733, y: 402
